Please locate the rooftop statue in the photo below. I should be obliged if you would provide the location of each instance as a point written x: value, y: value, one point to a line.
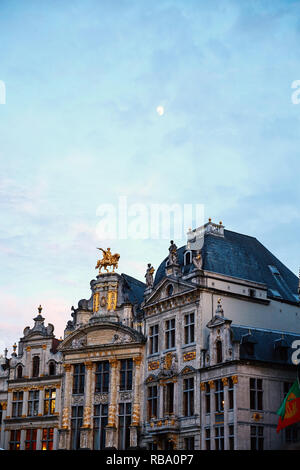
x: 173, y: 259
x: 149, y: 275
x: 108, y: 259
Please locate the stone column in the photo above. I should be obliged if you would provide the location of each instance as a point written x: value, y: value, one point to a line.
x: 203, y: 415
x: 2, y: 425
x: 111, y: 428
x: 41, y: 401
x: 136, y: 409
x: 9, y: 404
x: 225, y: 394
x: 39, y: 439
x: 235, y: 410
x: 25, y: 403
x: 212, y: 414
x: 85, y: 434
x: 64, y: 432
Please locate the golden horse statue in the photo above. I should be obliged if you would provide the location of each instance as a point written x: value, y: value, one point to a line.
x: 108, y: 260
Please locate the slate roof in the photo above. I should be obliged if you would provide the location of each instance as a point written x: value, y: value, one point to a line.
x: 243, y: 257
x: 267, y: 344
x: 134, y: 289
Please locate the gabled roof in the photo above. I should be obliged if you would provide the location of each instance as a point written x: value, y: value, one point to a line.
x: 243, y: 257
x: 134, y: 289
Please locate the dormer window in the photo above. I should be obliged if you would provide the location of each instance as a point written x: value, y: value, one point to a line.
x: 52, y: 368
x: 19, y: 372
x: 219, y: 351
x: 35, y: 366
x: 187, y: 258
x: 170, y: 290
x: 252, y: 293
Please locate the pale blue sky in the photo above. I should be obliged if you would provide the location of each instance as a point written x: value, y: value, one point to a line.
x: 80, y: 128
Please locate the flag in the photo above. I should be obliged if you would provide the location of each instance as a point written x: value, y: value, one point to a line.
x: 289, y: 411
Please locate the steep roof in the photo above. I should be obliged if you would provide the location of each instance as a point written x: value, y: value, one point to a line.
x: 268, y: 344
x: 243, y: 257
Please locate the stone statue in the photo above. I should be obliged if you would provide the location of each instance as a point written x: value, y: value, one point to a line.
x: 173, y: 258
x: 198, y: 261
x: 149, y: 275
x: 108, y: 260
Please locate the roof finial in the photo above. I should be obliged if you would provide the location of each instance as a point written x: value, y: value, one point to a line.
x: 40, y: 309
x: 14, y: 348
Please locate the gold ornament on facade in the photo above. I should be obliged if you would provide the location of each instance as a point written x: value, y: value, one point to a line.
x: 211, y: 384
x: 108, y: 259
x: 225, y: 381
x: 168, y: 361
x: 202, y: 386
x: 189, y: 356
x: 112, y: 300
x: 235, y: 379
x: 153, y: 365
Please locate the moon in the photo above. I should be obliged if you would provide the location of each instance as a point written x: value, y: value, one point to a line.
x: 160, y: 110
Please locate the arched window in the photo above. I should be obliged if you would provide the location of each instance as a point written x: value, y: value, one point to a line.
x: 187, y: 258
x: 35, y: 366
x: 169, y: 290
x: 219, y: 351
x: 19, y: 372
x: 52, y: 368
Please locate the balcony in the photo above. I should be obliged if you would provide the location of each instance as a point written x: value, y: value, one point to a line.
x: 161, y: 425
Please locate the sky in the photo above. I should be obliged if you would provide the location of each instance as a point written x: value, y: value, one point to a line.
x: 79, y: 129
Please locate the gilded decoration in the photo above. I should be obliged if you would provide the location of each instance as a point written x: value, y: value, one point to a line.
x: 107, y: 260
x: 211, y: 384
x: 112, y: 300
x: 153, y: 365
x: 225, y: 381
x: 202, y: 386
x: 189, y: 356
x: 235, y: 379
x: 96, y: 302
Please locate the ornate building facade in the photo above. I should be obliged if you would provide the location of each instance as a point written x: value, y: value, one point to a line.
x: 198, y: 357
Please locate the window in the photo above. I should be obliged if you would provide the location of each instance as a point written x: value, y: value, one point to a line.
x: 124, y: 423
x: 170, y: 290
x: 52, y: 368
x: 256, y: 394
x: 19, y: 372
x: 219, y: 396
x: 207, y: 398
x: 231, y: 436
x: 76, y: 423
x: 35, y: 366
x: 152, y: 401
x: 169, y: 398
x: 30, y: 440
x: 207, y: 438
x: 49, y: 401
x: 17, y: 404
x: 252, y: 293
x: 189, y: 443
x: 153, y: 339
x: 230, y: 394
x: 100, y: 421
x: 78, y: 379
x: 126, y: 374
x: 188, y: 397
x: 152, y: 446
x: 189, y: 328
x: 187, y: 258
x: 170, y: 334
x: 102, y: 377
x: 219, y: 438
x: 219, y: 351
x: 257, y: 437
x: 33, y: 403
x: 291, y: 434
x: 47, y: 439
x: 14, y: 443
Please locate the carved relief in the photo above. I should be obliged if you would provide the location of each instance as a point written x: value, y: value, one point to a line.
x: 78, y: 342
x: 124, y: 396
x: 100, y: 398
